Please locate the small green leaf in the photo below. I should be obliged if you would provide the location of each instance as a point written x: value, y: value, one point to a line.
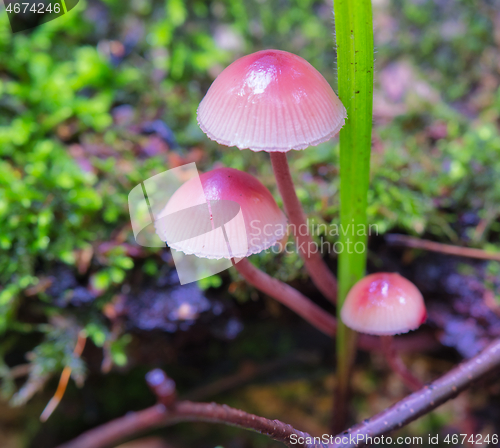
x: 214, y: 281
x: 96, y: 333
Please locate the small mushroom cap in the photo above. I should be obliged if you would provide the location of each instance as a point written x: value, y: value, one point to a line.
x: 384, y: 304
x: 237, y: 201
x: 271, y: 100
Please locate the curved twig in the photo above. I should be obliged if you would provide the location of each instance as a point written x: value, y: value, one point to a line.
x: 426, y: 399
x: 184, y: 411
x: 398, y: 415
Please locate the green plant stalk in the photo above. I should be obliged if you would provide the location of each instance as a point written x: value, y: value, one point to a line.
x: 354, y: 35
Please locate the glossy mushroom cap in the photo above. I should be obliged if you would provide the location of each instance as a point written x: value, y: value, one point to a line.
x: 237, y: 201
x: 271, y: 101
x: 384, y: 304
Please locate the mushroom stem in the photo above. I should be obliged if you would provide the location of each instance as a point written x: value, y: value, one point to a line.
x: 288, y: 296
x: 321, y: 276
x: 397, y: 364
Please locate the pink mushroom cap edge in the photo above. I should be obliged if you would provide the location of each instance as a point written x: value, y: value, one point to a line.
x: 384, y: 304
x: 264, y: 224
x: 271, y: 101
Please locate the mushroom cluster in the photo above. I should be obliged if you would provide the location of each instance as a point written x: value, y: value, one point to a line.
x: 275, y: 101
x: 271, y: 101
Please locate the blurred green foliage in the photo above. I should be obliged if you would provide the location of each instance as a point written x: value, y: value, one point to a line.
x: 68, y: 163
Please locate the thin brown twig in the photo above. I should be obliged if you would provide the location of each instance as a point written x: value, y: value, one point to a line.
x: 183, y: 411
x: 398, y: 415
x: 20, y: 370
x: 63, y: 382
x: 417, y: 243
x: 425, y: 400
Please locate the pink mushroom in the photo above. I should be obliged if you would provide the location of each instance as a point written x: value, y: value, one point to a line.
x: 271, y: 101
x: 251, y: 222
x: 386, y: 304
x: 261, y: 223
x: 276, y: 101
